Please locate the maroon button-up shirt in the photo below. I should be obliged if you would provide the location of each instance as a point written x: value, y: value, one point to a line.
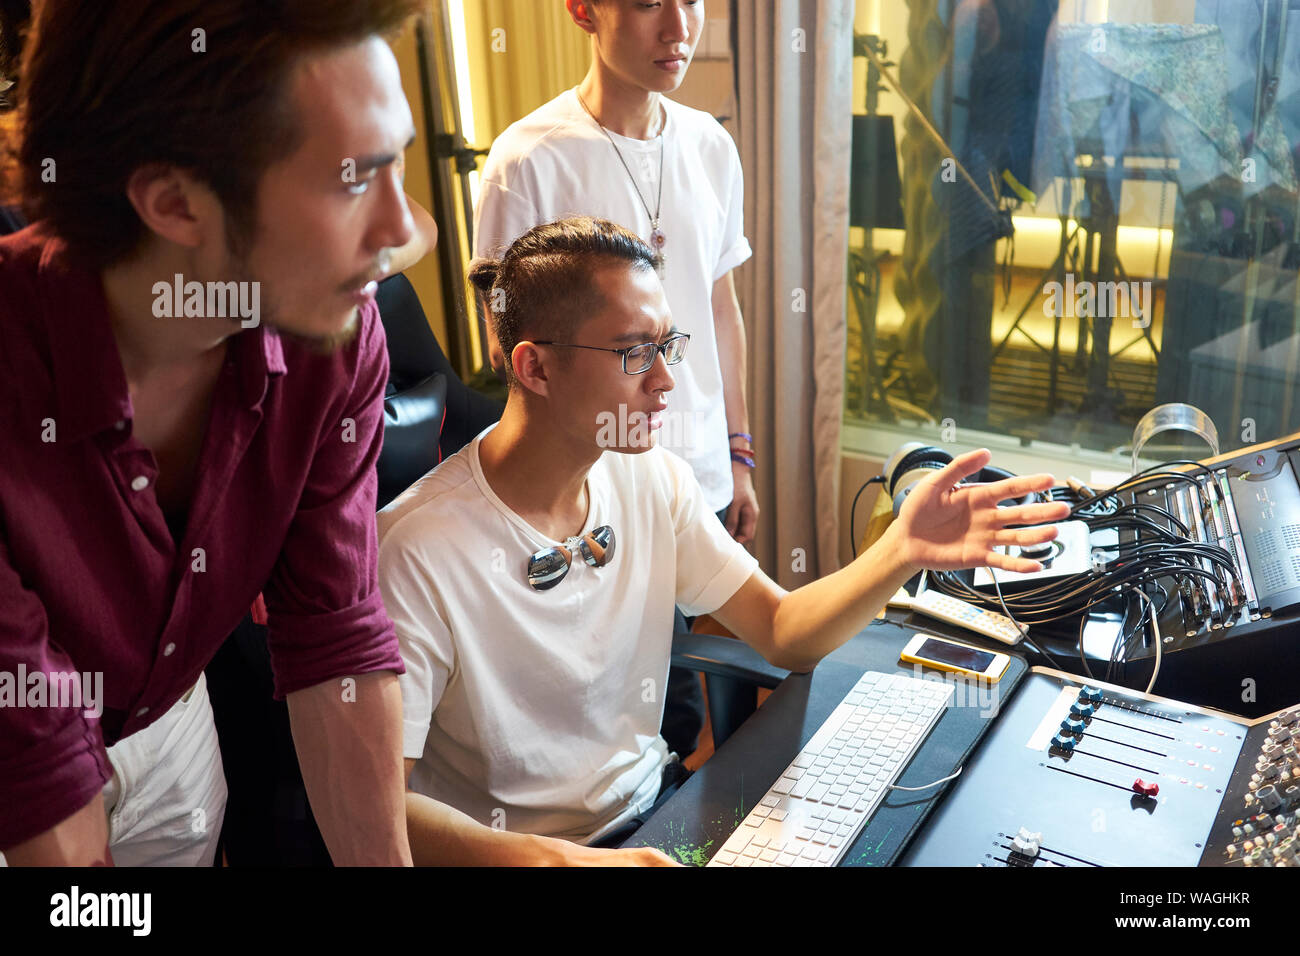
x: 91, y: 580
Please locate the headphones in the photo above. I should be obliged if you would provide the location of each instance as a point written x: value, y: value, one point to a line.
x: 913, y: 461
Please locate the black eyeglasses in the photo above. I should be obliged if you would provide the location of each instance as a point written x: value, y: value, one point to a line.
x: 638, y: 358
x: 547, y: 568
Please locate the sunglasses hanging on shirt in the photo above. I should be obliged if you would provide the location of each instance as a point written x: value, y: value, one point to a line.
x: 547, y: 568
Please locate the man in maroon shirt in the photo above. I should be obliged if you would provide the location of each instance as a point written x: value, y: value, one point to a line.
x: 191, y: 380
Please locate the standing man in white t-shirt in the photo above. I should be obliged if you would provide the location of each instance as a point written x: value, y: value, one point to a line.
x: 616, y: 148
x: 531, y: 577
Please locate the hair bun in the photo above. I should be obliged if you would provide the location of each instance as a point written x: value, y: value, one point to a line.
x: 483, y: 274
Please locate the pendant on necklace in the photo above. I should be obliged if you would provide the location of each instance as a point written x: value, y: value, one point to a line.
x: 657, y: 240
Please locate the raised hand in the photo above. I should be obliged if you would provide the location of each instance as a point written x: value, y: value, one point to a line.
x: 944, y: 526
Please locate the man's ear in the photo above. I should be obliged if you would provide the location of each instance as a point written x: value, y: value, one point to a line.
x: 529, y: 368
x: 580, y: 11
x: 173, y: 204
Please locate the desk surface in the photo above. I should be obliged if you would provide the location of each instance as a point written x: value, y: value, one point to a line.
x: 697, y: 819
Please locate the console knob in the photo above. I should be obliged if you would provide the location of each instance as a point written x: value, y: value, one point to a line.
x: 1073, y: 726
x: 1145, y: 789
x: 1026, y: 843
x: 1269, y: 797
x: 1063, y: 741
x: 1081, y: 709
x: 1091, y: 694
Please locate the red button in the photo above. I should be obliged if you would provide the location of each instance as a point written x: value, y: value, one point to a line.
x: 1146, y: 789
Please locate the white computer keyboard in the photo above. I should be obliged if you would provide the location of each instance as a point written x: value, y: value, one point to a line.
x: 813, y: 812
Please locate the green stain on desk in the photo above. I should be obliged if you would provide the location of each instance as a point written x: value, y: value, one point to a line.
x: 683, y: 849
x: 865, y: 857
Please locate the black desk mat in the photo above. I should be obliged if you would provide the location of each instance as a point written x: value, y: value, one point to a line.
x: 698, y: 819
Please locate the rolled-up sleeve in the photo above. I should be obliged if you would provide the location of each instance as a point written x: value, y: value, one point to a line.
x: 52, y: 758
x: 325, y: 613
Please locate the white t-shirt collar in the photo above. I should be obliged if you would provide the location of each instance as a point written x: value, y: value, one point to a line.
x: 627, y: 142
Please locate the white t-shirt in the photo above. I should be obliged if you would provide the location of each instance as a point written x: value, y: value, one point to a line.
x: 539, y: 711
x: 556, y: 162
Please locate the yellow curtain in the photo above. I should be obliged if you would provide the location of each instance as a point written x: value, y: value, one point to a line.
x: 522, y: 53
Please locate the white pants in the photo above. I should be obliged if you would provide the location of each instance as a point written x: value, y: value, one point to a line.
x: 167, y: 796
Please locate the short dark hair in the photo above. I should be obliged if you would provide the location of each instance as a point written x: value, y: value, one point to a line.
x: 107, y: 86
x: 543, y: 286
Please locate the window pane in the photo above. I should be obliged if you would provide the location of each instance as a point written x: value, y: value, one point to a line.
x: 1102, y: 219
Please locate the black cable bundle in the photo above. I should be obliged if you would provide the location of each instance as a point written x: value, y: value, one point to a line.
x: 1165, y: 560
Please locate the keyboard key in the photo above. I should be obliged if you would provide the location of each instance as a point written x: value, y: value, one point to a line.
x: 805, y: 834
x: 817, y: 792
x: 753, y: 851
x: 761, y: 811
x: 786, y: 859
x: 759, y: 841
x: 753, y: 821
x: 801, y: 788
x: 827, y: 856
x: 777, y: 815
x: 725, y: 858
x: 810, y: 853
x: 739, y: 840
x: 770, y: 801
x: 803, y: 760
x: 768, y: 856
x: 820, y: 837
x: 783, y: 785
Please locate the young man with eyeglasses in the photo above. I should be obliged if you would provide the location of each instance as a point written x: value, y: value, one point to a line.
x: 618, y: 148
x: 532, y: 576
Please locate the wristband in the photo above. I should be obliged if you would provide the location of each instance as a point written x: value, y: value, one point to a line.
x: 743, y: 459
